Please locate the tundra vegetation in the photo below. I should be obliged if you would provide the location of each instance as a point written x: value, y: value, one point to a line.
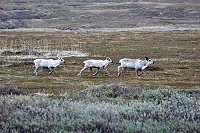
x: 176, y: 54
x: 64, y: 101
x: 102, y: 109
x: 164, y: 99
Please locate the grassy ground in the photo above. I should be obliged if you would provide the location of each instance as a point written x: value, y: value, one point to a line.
x: 176, y: 54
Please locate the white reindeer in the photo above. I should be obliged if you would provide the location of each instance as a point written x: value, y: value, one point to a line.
x: 138, y: 65
x: 99, y: 64
x: 49, y: 63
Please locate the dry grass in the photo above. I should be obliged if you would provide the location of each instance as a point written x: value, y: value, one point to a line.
x: 176, y: 54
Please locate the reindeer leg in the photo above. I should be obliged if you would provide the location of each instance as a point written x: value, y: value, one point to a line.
x: 35, y: 71
x: 123, y: 70
x: 139, y: 74
x: 52, y: 69
x: 119, y: 73
x: 107, y: 71
x: 96, y: 71
x: 82, y: 70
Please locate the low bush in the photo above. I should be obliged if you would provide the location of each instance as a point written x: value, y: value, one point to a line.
x: 7, y: 90
x: 102, y: 109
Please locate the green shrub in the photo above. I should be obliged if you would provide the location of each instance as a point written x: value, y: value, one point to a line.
x: 102, y: 109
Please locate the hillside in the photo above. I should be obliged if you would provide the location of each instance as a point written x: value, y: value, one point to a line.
x: 87, y: 14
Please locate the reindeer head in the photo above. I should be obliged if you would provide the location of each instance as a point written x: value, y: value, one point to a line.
x: 109, y: 60
x: 149, y: 61
x: 61, y: 59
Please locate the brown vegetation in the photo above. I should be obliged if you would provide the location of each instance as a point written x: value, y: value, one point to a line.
x: 176, y: 54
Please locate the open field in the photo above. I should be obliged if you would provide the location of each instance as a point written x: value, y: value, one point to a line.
x: 176, y: 54
x: 164, y: 99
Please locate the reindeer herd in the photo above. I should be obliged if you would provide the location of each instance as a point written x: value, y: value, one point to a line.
x: 137, y: 64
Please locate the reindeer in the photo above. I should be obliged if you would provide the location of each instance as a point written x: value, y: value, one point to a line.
x: 49, y: 63
x: 99, y: 64
x: 137, y: 64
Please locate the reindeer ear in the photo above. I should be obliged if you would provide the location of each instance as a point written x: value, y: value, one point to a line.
x: 147, y: 58
x: 59, y: 56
